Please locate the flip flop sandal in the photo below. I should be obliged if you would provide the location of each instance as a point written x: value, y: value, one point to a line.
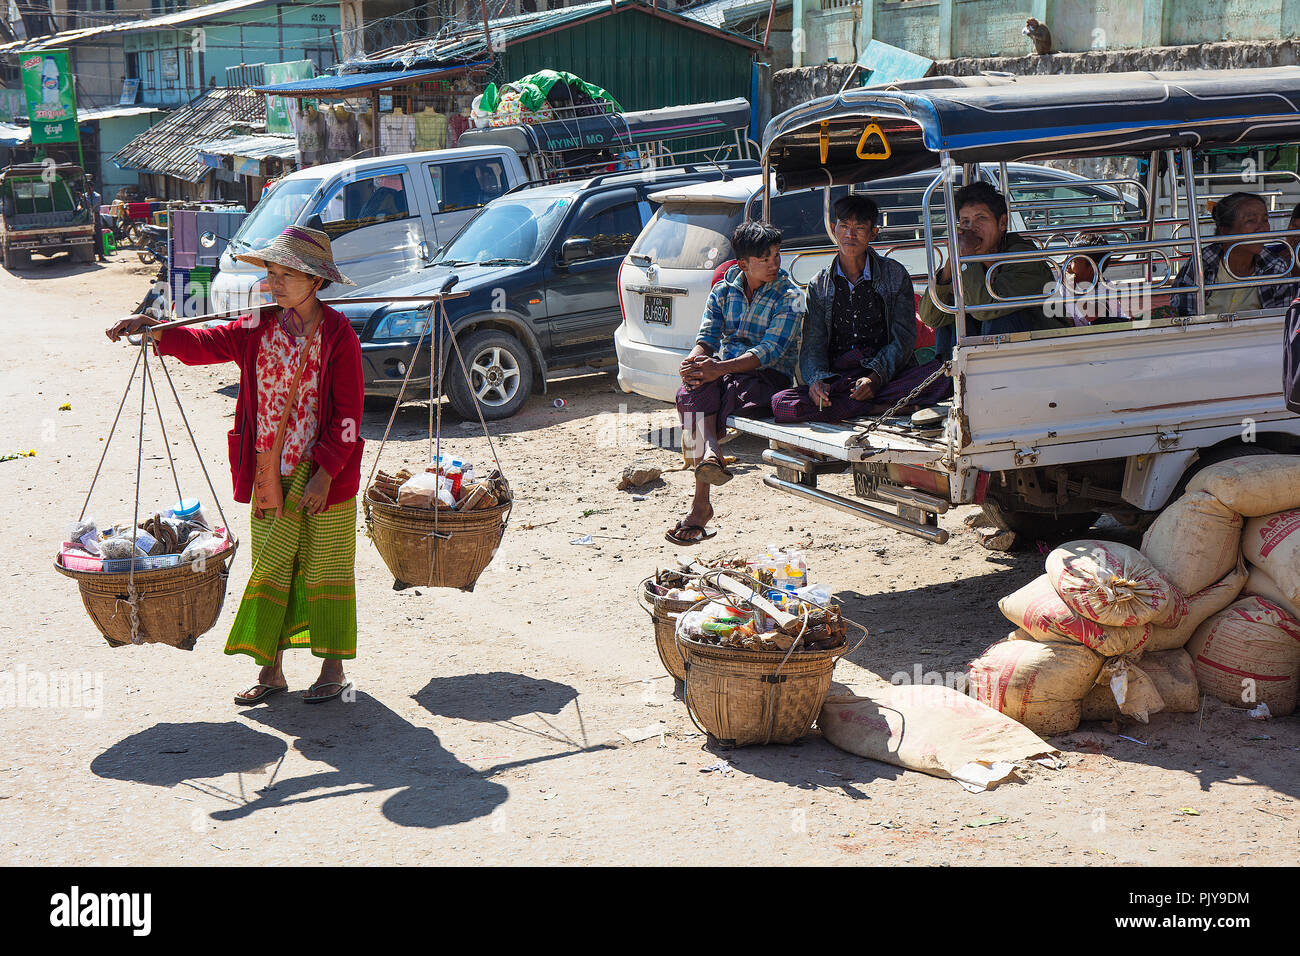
x: 676, y: 539
x: 711, y: 472
x: 324, y: 697
x: 266, y: 690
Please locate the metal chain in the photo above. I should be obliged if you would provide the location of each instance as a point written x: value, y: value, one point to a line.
x: 889, y: 412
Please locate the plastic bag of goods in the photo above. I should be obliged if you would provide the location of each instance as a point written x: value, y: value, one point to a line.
x: 1113, y: 584
x: 1200, y: 605
x: 426, y: 490
x: 1194, y: 542
x: 1259, y: 584
x: 1254, y: 485
x: 1039, y: 611
x: 1249, y: 654
x: 1038, y: 683
x: 1272, y: 544
x: 1123, y: 688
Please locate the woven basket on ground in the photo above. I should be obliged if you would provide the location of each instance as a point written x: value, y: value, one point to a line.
x: 174, y: 606
x: 663, y: 613
x: 745, y: 697
x: 452, y: 557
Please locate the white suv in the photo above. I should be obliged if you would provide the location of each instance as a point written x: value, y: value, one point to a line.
x: 666, y: 277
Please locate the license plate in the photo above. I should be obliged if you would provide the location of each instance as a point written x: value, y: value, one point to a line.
x: 658, y: 310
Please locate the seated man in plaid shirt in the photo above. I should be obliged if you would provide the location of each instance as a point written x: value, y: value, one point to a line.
x: 1238, y: 214
x: 744, y: 354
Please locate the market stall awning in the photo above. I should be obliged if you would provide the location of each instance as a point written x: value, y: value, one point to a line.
x: 168, y: 146
x: 246, y: 152
x: 11, y: 136
x: 354, y: 84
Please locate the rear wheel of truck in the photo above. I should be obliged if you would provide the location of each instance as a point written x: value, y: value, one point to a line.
x: 83, y: 253
x: 500, y: 376
x: 1036, y: 526
x: 1213, y: 457
x: 17, y: 258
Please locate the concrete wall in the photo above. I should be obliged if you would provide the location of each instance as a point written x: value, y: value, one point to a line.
x: 260, y: 35
x: 944, y: 29
x: 792, y: 87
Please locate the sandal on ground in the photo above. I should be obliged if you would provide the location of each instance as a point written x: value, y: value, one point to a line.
x: 674, y: 535
x: 711, y: 471
x: 341, y: 685
x: 263, y: 691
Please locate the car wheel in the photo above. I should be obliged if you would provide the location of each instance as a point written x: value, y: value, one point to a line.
x: 500, y: 376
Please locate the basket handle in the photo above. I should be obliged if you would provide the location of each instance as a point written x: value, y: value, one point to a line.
x: 640, y: 590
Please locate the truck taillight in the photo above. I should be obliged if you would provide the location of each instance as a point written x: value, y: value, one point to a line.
x: 622, y: 310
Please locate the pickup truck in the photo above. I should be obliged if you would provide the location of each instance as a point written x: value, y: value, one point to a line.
x: 1049, y: 428
x: 44, y: 207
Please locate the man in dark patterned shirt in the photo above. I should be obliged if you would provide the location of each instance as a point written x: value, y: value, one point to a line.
x: 859, y: 333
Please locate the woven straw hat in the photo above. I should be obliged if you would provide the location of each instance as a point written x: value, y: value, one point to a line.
x: 299, y: 247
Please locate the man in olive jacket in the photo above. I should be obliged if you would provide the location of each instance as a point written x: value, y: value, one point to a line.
x: 982, y: 230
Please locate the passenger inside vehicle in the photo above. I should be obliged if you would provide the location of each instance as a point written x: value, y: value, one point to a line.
x: 1238, y: 214
x: 859, y: 331
x: 1086, y: 299
x: 982, y: 230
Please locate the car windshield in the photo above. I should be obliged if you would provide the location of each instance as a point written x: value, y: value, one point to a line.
x: 277, y: 210
x: 690, y: 235
x: 513, y: 229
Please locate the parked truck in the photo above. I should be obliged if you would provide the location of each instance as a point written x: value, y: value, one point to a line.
x: 1049, y: 428
x: 45, y: 208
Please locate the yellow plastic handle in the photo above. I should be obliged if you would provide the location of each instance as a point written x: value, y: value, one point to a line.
x: 866, y: 133
x: 824, y: 140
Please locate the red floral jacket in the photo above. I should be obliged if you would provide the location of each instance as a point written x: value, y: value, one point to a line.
x: 342, y: 394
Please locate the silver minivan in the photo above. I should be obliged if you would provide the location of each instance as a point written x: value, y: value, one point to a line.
x: 385, y: 215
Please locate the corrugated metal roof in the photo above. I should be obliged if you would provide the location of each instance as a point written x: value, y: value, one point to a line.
x: 114, y: 112
x: 351, y: 84
x: 250, y: 147
x: 471, y: 43
x: 720, y: 13
x: 168, y: 146
x: 199, y: 14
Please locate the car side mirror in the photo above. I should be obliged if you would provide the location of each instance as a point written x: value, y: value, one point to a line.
x: 575, y: 250
x: 208, y: 240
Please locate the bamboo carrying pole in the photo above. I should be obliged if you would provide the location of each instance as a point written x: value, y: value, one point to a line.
x: 431, y: 299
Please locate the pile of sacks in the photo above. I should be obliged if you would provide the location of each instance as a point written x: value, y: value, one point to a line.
x: 1211, y: 603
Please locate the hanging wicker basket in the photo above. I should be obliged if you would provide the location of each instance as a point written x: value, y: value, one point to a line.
x: 173, y: 606
x: 450, y: 553
x: 436, y: 548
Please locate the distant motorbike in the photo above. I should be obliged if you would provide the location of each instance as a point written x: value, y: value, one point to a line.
x: 150, y: 243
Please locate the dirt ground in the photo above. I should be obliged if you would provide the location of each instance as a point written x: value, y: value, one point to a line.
x: 486, y: 726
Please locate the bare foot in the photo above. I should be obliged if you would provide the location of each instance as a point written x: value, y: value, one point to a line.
x: 331, y: 678
x: 271, y: 675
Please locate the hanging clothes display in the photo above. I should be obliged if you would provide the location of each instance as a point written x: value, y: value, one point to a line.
x: 341, y: 134
x: 457, y: 123
x: 430, y: 130
x: 365, y: 133
x: 397, y: 132
x: 311, y: 137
